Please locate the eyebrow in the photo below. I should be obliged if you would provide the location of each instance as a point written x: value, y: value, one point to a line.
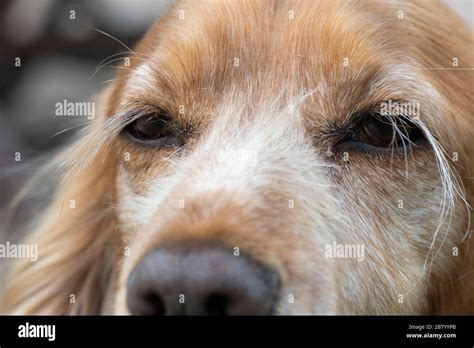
x: 141, y: 78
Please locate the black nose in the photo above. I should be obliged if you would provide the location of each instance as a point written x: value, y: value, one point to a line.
x: 200, y: 281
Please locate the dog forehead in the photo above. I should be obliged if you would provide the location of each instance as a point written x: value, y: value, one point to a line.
x: 261, y: 38
x: 201, y: 54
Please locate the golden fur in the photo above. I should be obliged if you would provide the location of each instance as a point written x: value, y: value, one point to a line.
x: 271, y: 77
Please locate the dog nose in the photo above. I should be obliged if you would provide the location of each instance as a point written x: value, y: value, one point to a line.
x: 201, y: 281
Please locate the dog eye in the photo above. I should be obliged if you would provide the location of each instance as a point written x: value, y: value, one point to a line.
x: 148, y: 127
x: 383, y: 132
x: 156, y: 129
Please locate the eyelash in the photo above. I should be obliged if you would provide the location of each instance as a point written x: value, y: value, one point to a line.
x: 367, y: 132
x: 349, y: 139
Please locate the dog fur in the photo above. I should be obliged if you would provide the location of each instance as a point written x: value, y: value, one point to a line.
x: 273, y: 78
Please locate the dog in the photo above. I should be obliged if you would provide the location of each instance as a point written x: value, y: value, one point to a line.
x: 269, y: 157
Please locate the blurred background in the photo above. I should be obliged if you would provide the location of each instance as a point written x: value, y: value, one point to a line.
x: 59, y: 52
x: 49, y: 52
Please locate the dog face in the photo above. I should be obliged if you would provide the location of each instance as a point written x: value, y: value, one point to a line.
x: 300, y: 153
x: 268, y: 151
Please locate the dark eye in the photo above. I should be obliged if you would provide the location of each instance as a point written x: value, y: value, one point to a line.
x: 384, y: 132
x: 157, y: 129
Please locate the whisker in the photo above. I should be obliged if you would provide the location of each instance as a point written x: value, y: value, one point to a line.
x: 115, y: 39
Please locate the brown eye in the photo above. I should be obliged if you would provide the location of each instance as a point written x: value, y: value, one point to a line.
x: 156, y: 129
x: 382, y: 132
x: 149, y: 127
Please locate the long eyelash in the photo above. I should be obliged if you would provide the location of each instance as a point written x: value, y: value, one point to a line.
x: 395, y: 123
x: 100, y: 133
x: 336, y: 134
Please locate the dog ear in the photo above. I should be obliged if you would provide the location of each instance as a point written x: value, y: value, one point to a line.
x: 72, y: 237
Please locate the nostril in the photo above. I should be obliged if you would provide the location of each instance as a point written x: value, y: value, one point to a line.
x: 217, y: 304
x: 201, y: 280
x: 154, y: 303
